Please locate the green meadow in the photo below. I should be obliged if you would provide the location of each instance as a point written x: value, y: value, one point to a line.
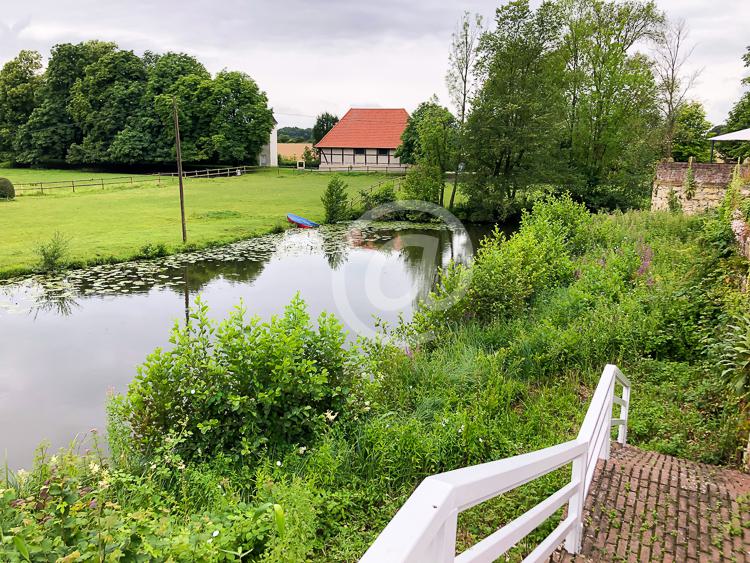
x: 117, y: 222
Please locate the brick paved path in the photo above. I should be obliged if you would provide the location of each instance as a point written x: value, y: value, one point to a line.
x: 644, y: 506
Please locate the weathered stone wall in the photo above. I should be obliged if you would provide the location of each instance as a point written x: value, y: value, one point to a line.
x: 711, y: 181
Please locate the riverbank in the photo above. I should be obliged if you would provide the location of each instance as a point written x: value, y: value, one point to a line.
x: 142, y: 220
x: 307, y: 457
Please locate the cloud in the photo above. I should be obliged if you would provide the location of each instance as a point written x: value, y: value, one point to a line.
x: 330, y: 55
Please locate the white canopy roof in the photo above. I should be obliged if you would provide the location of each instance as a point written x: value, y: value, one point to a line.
x: 741, y: 135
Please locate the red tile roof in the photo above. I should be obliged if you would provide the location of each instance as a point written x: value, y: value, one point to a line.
x: 369, y: 128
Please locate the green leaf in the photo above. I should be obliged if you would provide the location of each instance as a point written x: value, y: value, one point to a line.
x: 279, y: 519
x: 20, y: 544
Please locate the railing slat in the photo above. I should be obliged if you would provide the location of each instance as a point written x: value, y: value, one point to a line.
x: 494, y: 545
x: 550, y: 543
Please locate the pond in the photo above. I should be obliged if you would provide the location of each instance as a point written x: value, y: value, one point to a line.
x: 66, y: 341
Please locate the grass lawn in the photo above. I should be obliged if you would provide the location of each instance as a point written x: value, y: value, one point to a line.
x: 113, y: 224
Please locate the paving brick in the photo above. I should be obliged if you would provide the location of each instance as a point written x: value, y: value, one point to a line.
x: 645, y: 506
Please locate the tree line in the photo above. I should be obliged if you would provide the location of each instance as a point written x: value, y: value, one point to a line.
x: 96, y: 104
x: 581, y: 95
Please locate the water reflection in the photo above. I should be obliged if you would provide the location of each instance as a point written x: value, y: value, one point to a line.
x: 66, y: 340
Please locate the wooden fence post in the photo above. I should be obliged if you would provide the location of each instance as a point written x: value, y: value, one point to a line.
x: 102, y: 180
x: 73, y: 183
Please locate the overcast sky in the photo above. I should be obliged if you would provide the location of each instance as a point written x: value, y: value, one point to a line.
x: 328, y: 55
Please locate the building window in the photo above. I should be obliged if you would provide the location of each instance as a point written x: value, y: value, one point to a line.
x: 383, y: 152
x: 359, y: 151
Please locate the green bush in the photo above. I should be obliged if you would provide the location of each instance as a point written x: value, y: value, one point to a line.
x: 53, y: 254
x: 335, y: 200
x: 385, y: 193
x: 7, y: 191
x: 423, y: 182
x: 241, y: 386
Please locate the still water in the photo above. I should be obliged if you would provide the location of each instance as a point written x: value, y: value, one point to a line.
x: 68, y: 341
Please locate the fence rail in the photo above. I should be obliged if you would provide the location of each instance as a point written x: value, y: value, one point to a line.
x: 213, y: 172
x: 424, y: 529
x: 85, y: 183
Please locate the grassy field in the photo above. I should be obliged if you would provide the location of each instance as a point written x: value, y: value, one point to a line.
x: 115, y: 223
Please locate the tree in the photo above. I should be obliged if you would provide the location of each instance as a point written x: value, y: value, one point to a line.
x: 691, y: 133
x: 323, y: 124
x: 513, y: 129
x: 438, y: 140
x: 102, y: 103
x: 19, y: 85
x: 424, y: 181
x: 335, y: 200
x: 409, y: 150
x: 50, y: 130
x: 612, y: 114
x: 459, y: 78
x: 670, y: 57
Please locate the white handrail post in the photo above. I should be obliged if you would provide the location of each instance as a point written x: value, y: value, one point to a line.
x: 622, y: 433
x: 576, y: 502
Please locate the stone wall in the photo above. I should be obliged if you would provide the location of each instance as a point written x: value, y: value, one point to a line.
x: 711, y: 182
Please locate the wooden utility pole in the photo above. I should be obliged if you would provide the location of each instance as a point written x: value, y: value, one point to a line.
x: 179, y: 167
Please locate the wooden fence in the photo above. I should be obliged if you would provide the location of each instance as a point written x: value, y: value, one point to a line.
x: 42, y: 187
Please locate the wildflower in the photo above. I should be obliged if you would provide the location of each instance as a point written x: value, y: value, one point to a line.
x: 94, y: 467
x: 278, y: 464
x: 302, y: 450
x: 331, y: 416
x: 53, y: 460
x: 192, y: 391
x: 481, y: 441
x: 216, y: 533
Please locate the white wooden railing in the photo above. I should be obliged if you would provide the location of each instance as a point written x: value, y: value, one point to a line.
x: 424, y: 530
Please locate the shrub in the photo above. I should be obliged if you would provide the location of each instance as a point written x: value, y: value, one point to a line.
x: 53, y: 253
x: 335, y: 200
x: 385, y: 193
x: 7, y: 191
x: 423, y: 182
x: 508, y: 273
x: 242, y: 385
x: 151, y: 250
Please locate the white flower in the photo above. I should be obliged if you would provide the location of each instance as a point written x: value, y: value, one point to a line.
x: 53, y: 460
x: 331, y: 416
x: 481, y: 441
x: 94, y: 467
x: 192, y: 391
x: 278, y: 464
x: 216, y: 533
x: 302, y: 450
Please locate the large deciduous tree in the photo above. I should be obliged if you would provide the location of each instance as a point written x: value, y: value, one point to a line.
x: 673, y: 82
x: 690, y: 137
x: 460, y: 78
x: 514, y: 127
x: 323, y: 124
x: 612, y: 118
x: 103, y: 102
x: 20, y: 82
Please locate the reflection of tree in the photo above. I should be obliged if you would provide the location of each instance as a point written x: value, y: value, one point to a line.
x: 335, y: 247
x: 197, y: 276
x: 61, y: 303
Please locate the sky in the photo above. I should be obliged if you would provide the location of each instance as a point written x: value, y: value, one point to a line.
x: 330, y: 55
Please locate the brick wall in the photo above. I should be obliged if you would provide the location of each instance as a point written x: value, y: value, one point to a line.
x: 711, y: 181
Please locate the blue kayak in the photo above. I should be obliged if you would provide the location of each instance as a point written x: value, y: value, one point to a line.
x: 301, y: 221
